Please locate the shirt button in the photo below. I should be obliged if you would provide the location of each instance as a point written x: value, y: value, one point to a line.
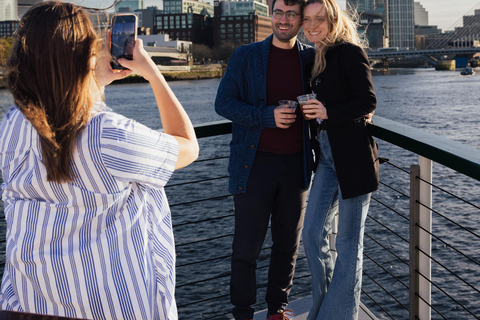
x: 262, y: 99
x: 247, y: 167
x: 252, y: 146
x: 240, y: 188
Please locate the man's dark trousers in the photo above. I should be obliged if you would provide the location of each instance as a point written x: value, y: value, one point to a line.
x: 275, y: 190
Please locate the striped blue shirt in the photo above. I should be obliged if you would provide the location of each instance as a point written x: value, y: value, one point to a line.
x: 102, y: 246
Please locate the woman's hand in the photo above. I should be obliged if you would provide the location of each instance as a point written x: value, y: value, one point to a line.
x: 368, y: 117
x: 103, y: 70
x: 314, y: 109
x: 141, y: 64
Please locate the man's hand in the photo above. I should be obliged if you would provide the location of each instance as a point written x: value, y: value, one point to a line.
x: 284, y: 117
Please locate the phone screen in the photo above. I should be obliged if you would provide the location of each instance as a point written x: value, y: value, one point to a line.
x: 124, y: 32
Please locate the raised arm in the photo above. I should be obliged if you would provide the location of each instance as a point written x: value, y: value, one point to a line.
x: 175, y: 120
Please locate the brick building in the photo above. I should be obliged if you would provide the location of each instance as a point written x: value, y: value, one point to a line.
x: 240, y: 28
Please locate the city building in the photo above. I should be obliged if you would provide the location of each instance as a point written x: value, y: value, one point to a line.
x: 373, y: 20
x: 129, y: 5
x: 8, y: 10
x: 24, y: 5
x: 361, y: 5
x: 8, y: 18
x: 467, y: 35
x: 185, y: 6
x: 146, y: 17
x: 401, y: 24
x: 7, y: 28
x: 240, y: 29
x: 398, y: 19
x: 197, y: 28
x: 243, y: 8
x: 164, y: 41
x: 167, y: 52
x: 421, y: 15
x: 188, y: 20
x: 427, y: 30
x: 372, y: 27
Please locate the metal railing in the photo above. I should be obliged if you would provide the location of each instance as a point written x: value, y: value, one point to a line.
x: 408, y: 266
x: 422, y: 243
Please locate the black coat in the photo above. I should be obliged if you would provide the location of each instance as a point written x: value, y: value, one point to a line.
x: 345, y: 88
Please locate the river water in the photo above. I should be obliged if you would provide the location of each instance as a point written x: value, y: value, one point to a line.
x: 441, y: 102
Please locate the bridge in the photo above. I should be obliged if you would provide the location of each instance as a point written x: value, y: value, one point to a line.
x: 432, y: 56
x: 461, y: 43
x: 167, y: 53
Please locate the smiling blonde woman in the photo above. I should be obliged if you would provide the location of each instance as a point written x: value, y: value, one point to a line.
x: 347, y: 161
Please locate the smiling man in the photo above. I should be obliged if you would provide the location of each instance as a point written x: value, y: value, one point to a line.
x: 271, y: 157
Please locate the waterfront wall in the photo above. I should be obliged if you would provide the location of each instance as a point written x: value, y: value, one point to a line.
x: 175, y: 76
x: 169, y: 76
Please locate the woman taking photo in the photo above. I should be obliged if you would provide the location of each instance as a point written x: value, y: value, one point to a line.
x: 89, y: 231
x: 347, y: 169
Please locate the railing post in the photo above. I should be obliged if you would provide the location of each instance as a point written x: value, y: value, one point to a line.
x: 421, y: 215
x: 425, y: 263
x: 414, y: 241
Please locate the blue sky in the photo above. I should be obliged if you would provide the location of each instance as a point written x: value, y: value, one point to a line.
x: 442, y: 13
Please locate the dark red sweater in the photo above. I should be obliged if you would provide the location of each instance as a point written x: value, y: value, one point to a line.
x: 284, y: 82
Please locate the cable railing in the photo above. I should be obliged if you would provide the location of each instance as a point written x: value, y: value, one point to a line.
x: 387, y: 290
x: 421, y: 247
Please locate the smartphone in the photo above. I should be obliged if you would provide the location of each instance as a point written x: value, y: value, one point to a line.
x: 124, y: 34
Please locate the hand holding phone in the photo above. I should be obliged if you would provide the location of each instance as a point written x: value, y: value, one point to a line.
x: 124, y: 35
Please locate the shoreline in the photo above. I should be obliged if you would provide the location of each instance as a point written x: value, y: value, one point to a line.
x: 176, y: 76
x: 169, y: 76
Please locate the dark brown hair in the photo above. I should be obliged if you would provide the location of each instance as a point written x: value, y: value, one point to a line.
x: 302, y: 4
x: 50, y: 75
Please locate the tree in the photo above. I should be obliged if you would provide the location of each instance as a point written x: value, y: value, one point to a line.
x: 201, y: 52
x: 224, y: 51
x: 6, y: 45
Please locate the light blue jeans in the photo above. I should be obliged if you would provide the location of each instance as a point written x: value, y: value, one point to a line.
x: 336, y: 286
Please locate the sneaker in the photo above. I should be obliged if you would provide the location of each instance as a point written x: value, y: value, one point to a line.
x: 281, y: 316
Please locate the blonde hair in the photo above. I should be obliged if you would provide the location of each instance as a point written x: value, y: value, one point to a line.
x: 342, y: 28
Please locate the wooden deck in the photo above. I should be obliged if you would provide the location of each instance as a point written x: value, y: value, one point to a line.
x: 301, y: 307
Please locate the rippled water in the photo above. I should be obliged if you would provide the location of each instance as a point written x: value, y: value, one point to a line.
x: 441, y: 102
